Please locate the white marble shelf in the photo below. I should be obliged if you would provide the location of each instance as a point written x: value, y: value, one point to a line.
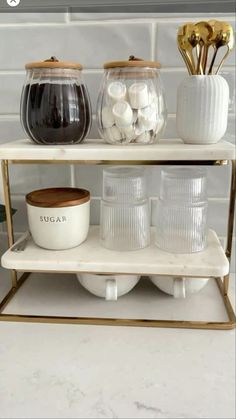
x: 96, y: 150
x: 91, y: 257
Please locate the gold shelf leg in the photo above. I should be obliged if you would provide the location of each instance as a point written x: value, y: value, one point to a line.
x: 10, y: 295
x: 230, y: 228
x: 7, y: 197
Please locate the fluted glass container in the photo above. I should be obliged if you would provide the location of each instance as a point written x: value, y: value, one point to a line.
x: 124, y: 184
x: 125, y: 226
x: 183, y: 184
x: 181, y: 219
x: 55, y: 105
x: 131, y: 104
x: 125, y: 212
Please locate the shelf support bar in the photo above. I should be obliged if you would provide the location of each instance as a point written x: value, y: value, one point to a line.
x: 230, y: 226
x: 7, y: 198
x: 10, y: 295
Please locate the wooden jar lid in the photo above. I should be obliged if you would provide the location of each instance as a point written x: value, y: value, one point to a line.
x: 132, y: 62
x: 53, y: 63
x: 57, y: 197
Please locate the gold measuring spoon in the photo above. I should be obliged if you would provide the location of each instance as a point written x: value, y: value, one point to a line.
x: 230, y: 44
x: 206, y: 32
x: 223, y: 36
x: 182, y: 50
x: 217, y: 28
x: 216, y: 40
x: 185, y: 48
x: 192, y: 39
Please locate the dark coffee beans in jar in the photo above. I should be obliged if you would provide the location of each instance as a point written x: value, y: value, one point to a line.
x: 55, y: 106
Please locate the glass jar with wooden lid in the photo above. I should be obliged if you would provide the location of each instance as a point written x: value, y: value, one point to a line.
x: 55, y: 104
x: 131, y: 104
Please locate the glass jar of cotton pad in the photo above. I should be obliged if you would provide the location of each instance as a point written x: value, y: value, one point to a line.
x: 131, y: 104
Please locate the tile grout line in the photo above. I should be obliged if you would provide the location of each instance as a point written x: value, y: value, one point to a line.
x: 67, y: 16
x: 134, y: 20
x: 153, y: 40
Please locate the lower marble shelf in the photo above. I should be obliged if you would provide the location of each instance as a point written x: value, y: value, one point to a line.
x: 91, y: 257
x: 62, y: 295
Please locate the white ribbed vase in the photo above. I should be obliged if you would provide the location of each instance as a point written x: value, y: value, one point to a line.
x: 202, y: 109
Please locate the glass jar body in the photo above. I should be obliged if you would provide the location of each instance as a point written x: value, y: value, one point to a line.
x: 55, y: 106
x: 181, y: 217
x: 131, y: 106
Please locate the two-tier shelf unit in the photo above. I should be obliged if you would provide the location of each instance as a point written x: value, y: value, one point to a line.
x: 213, y: 262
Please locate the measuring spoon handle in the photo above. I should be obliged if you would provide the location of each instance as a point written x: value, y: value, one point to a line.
x: 213, y: 61
x: 221, y: 63
x: 185, y: 58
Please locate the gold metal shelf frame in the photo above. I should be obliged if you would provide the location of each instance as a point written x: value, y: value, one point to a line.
x: 223, y: 283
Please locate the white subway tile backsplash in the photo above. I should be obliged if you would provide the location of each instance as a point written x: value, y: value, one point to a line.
x: 93, y: 39
x: 110, y: 16
x: 217, y: 216
x: 25, y: 178
x: 116, y: 16
x: 95, y: 212
x: 170, y: 130
x: 171, y: 80
x: 10, y: 129
x: 45, y: 16
x: 11, y: 86
x: 20, y: 222
x: 130, y: 16
x: 89, y: 177
x: 167, y: 51
x: 230, y: 77
x: 91, y: 45
x: 230, y: 132
x: 93, y: 81
x: 93, y: 134
x: 218, y: 181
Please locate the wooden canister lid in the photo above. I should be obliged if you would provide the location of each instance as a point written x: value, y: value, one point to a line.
x: 132, y: 62
x: 57, y: 197
x: 53, y: 62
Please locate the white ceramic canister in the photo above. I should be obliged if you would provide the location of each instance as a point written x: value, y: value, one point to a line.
x: 109, y: 287
x: 179, y: 287
x: 202, y: 109
x: 58, y: 217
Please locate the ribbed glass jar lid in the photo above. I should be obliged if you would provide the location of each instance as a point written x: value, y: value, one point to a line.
x: 184, y: 184
x: 124, y: 184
